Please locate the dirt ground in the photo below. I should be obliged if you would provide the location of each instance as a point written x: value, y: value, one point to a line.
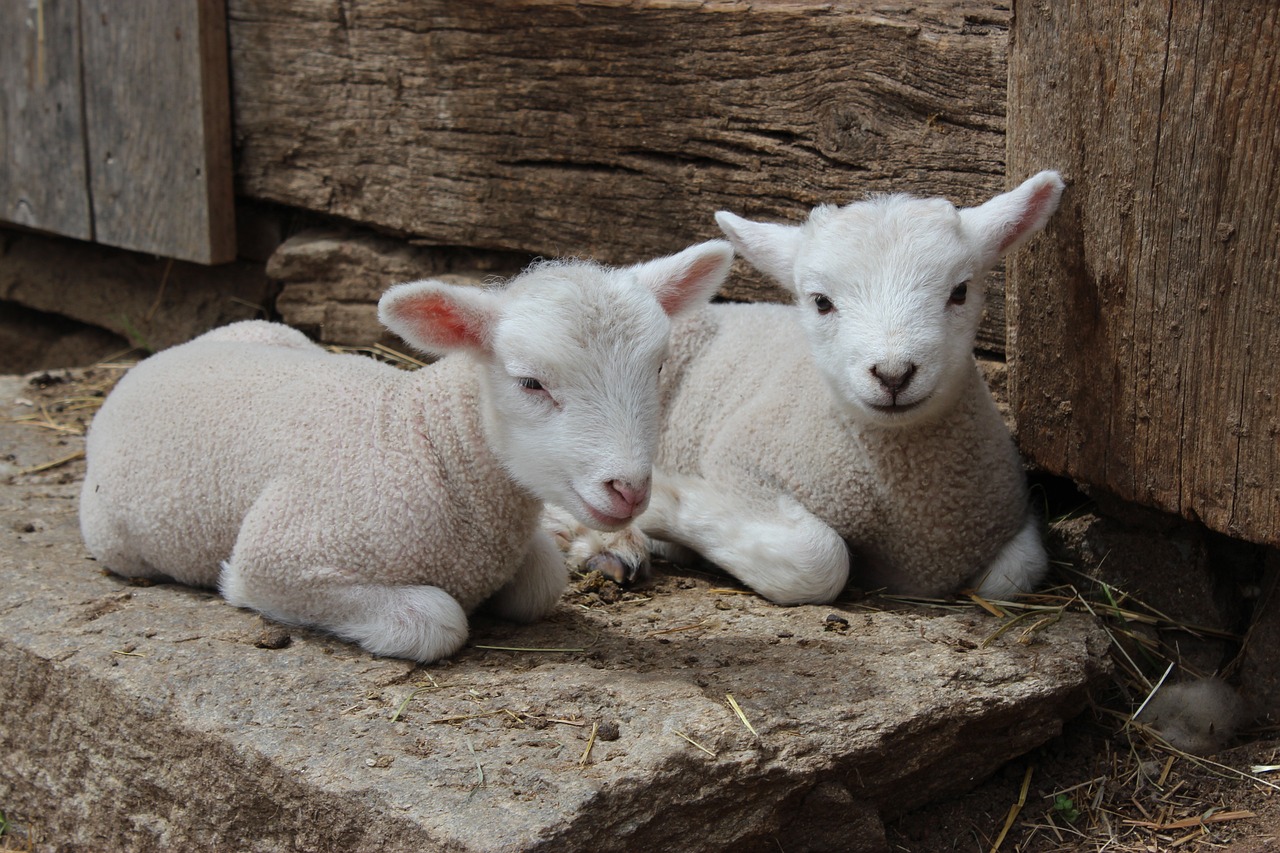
x: 1104, y: 784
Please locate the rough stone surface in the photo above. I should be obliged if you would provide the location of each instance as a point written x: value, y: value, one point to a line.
x: 159, y: 717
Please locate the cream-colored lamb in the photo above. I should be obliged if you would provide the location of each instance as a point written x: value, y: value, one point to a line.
x: 851, y: 433
x: 337, y: 492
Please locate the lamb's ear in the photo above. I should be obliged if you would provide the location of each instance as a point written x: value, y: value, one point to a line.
x: 1013, y: 218
x: 768, y: 247
x: 439, y: 318
x: 686, y: 280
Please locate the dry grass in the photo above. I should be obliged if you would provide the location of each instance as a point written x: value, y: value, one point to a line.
x: 65, y: 402
x: 1141, y: 794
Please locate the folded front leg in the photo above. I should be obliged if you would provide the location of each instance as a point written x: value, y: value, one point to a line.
x: 776, y: 547
x: 1019, y: 567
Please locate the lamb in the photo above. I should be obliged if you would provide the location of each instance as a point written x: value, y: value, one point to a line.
x: 337, y: 492
x: 852, y: 428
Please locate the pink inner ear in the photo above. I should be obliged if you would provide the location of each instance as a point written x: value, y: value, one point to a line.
x: 676, y: 293
x: 440, y: 321
x: 1033, y: 215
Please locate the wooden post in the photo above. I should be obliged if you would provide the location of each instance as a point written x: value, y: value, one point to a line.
x: 1145, y: 322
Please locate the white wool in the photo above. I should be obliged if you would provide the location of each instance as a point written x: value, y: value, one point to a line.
x: 1199, y: 717
x: 337, y: 492
x: 850, y: 434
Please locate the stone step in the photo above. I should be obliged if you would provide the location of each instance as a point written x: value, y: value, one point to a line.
x: 161, y: 718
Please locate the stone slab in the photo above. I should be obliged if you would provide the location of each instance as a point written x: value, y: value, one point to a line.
x: 160, y: 718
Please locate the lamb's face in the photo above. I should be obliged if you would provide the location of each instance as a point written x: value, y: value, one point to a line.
x: 891, y: 290
x: 573, y: 388
x: 571, y: 353
x: 890, y: 294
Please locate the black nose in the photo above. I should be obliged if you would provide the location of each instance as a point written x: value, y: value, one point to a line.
x: 895, y: 380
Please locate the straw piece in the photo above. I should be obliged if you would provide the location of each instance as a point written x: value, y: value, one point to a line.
x: 694, y: 742
x: 1015, y: 809
x: 47, y: 466
x: 1212, y: 817
x: 525, y: 649
x: 681, y: 628
x: 737, y: 709
x: 591, y: 741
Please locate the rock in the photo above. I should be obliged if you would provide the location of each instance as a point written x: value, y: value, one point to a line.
x: 150, y: 717
x: 1162, y: 565
x: 34, y: 340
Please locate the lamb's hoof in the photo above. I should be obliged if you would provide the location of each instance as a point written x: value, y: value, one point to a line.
x: 618, y: 569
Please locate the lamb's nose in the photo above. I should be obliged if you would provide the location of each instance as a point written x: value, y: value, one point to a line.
x: 629, y: 494
x: 894, y: 378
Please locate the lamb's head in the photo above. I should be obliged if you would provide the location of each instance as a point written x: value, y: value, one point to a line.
x: 891, y: 290
x: 570, y: 352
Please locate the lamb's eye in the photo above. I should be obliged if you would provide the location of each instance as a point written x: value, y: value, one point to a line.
x: 530, y: 384
x: 959, y: 294
x: 823, y: 304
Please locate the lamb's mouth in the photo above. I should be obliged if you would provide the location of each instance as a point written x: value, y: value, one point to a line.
x: 603, y: 520
x: 894, y: 409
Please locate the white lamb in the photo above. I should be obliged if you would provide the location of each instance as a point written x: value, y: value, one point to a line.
x: 854, y: 424
x: 337, y: 492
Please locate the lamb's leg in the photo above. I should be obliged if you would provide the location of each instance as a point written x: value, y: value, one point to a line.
x: 622, y: 556
x: 1019, y: 566
x: 422, y: 623
x: 783, y: 551
x: 537, y: 585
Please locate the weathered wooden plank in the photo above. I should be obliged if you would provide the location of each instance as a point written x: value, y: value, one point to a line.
x: 158, y: 126
x: 1147, y: 333
x: 42, y: 153
x: 613, y: 130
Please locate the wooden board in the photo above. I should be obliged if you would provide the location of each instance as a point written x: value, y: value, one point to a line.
x: 156, y: 91
x: 1147, y: 317
x: 611, y: 129
x: 42, y: 154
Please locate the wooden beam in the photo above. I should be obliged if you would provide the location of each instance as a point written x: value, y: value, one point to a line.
x: 610, y: 129
x: 42, y: 154
x: 1147, y: 317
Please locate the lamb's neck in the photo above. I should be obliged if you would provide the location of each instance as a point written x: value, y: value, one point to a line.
x: 447, y: 420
